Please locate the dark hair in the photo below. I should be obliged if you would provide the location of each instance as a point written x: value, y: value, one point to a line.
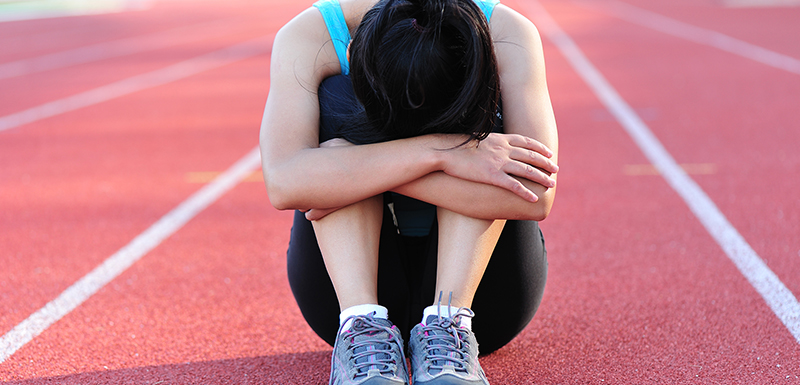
x: 425, y: 66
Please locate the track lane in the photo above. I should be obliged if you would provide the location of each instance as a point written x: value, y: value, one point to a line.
x: 628, y: 299
x: 72, y: 32
x: 696, y: 294
x: 211, y: 292
x: 67, y: 190
x: 43, y: 88
x: 771, y: 27
x: 744, y: 123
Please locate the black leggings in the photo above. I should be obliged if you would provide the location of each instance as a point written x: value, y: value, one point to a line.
x: 506, y: 299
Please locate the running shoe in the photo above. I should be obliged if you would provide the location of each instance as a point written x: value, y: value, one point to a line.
x: 442, y: 352
x: 369, y: 353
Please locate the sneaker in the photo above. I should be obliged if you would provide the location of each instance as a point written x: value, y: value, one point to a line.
x: 444, y: 353
x: 369, y: 353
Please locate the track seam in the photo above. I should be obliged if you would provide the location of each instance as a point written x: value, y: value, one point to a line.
x: 779, y: 298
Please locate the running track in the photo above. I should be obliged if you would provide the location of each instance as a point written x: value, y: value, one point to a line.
x: 111, y: 124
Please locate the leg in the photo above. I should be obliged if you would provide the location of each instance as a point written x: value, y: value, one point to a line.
x: 369, y: 349
x: 334, y: 261
x: 464, y: 248
x: 309, y: 281
x: 443, y: 348
x: 512, y: 286
x: 312, y: 288
x: 349, y: 239
x: 510, y: 289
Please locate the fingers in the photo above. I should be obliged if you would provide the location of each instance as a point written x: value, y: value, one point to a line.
x: 530, y: 144
x: 534, y: 159
x: 531, y: 173
x: 518, y: 188
x: 317, y: 214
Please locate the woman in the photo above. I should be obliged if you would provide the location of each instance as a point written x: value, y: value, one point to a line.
x: 413, y: 186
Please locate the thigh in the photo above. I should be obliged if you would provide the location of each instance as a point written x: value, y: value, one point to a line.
x: 309, y: 280
x: 512, y: 286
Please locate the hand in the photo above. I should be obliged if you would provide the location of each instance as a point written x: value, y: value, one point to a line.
x: 498, y: 158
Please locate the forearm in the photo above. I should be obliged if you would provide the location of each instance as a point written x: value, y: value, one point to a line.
x: 335, y: 177
x: 479, y: 200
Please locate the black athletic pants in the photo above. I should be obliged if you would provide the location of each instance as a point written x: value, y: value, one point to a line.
x: 506, y: 299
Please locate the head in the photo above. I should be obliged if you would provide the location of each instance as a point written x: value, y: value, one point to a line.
x: 425, y: 66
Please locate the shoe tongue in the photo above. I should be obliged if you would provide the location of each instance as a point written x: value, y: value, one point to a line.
x: 443, y: 320
x: 359, y: 325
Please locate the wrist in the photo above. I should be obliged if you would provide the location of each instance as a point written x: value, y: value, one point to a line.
x: 440, y: 149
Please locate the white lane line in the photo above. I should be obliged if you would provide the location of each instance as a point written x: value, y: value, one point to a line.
x: 761, y: 3
x: 140, y: 82
x: 782, y: 302
x: 121, y: 47
x: 120, y: 261
x: 695, y: 34
x: 42, y: 9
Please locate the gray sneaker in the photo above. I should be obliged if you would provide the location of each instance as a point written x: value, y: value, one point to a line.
x: 444, y: 353
x: 370, y: 353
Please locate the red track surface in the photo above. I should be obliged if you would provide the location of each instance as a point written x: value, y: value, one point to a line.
x: 638, y: 291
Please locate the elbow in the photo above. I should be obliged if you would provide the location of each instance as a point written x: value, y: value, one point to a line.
x: 276, y: 192
x: 277, y: 201
x: 535, y: 211
x: 544, y: 205
x: 538, y: 211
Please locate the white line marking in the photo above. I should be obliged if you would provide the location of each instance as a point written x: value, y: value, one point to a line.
x: 120, y: 261
x: 43, y: 9
x: 121, y: 47
x: 139, y: 82
x: 699, y: 35
x: 782, y: 302
x: 761, y: 3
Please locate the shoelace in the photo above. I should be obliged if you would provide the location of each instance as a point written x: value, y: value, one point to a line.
x: 377, y: 352
x: 444, y: 339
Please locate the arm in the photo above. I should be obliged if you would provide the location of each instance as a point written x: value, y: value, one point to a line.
x: 526, y: 110
x: 300, y: 175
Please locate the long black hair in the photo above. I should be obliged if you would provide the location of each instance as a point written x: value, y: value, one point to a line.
x: 425, y: 66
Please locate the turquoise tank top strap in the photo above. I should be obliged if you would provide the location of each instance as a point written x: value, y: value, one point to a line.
x: 337, y: 27
x: 487, y: 6
x: 340, y: 35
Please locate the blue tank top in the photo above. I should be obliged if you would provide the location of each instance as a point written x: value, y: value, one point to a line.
x: 332, y: 13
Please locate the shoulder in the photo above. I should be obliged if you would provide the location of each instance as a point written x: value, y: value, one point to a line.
x: 304, y: 43
x: 508, y: 24
x: 517, y: 42
x: 302, y: 47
